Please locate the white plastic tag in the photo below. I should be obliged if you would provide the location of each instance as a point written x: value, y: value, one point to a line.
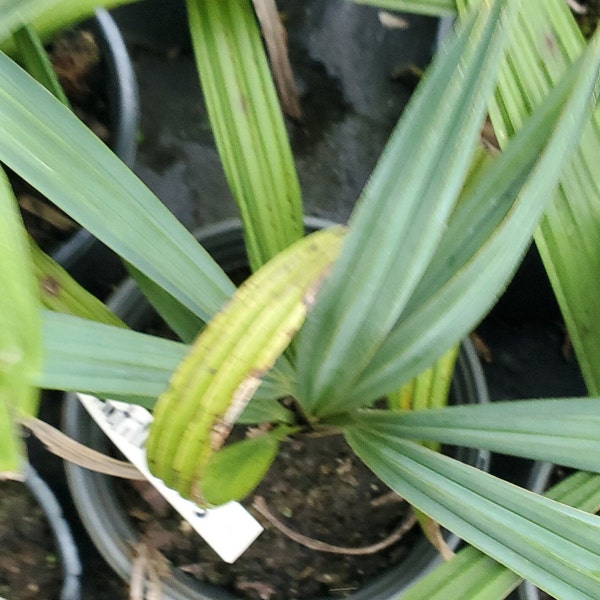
x: 228, y: 529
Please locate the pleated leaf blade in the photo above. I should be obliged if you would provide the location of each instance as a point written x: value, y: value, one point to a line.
x: 46, y: 16
x: 485, y: 240
x: 472, y: 575
x: 119, y: 362
x: 20, y: 330
x: 228, y: 360
x: 565, y: 431
x: 404, y: 208
x: 248, y: 124
x: 36, y: 61
x: 49, y: 147
x: 546, y: 40
x: 126, y: 365
x: 61, y: 293
x: 554, y: 546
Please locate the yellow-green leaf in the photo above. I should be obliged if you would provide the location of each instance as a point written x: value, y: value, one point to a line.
x: 428, y: 390
x: 20, y: 329
x: 216, y: 380
x: 61, y: 293
x: 233, y: 472
x: 248, y: 125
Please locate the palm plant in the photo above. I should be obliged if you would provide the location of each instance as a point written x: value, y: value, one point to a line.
x: 432, y: 242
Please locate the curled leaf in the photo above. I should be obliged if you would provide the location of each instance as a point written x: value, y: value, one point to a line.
x: 217, y: 379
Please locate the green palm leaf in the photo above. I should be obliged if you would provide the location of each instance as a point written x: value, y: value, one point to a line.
x: 472, y: 575
x: 46, y: 16
x: 20, y: 329
x: 120, y: 362
x: 248, y: 124
x: 61, y: 293
x: 565, y: 431
x: 405, y: 207
x: 463, y: 280
x: 554, y: 546
x: 546, y: 41
x: 126, y: 365
x: 49, y: 147
x: 179, y: 318
x: 36, y: 61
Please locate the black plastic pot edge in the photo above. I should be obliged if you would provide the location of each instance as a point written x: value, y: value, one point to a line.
x: 82, y: 248
x: 103, y: 517
x: 65, y: 543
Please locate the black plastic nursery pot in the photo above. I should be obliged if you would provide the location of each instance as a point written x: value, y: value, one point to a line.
x: 36, y: 525
x: 87, y: 259
x: 65, y: 543
x: 107, y: 521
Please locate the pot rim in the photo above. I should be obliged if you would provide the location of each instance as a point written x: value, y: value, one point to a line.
x: 61, y: 532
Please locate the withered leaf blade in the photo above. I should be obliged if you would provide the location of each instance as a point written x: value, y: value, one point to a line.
x: 277, y: 49
x: 65, y: 447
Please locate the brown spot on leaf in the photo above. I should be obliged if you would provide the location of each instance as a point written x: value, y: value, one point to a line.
x: 550, y: 42
x: 50, y: 286
x: 220, y: 432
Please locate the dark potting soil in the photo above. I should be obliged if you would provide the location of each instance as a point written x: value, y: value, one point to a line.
x: 318, y: 488
x: 76, y: 60
x: 589, y: 19
x: 29, y: 566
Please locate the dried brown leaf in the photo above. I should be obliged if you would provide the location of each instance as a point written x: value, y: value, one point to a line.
x: 46, y: 212
x: 62, y: 445
x: 483, y: 350
x: 275, y: 37
x: 433, y: 532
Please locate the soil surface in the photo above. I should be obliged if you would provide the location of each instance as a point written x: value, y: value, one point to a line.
x: 318, y: 488
x: 29, y: 566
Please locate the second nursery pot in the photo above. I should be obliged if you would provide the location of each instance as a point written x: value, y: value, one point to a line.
x: 67, y: 548
x: 38, y: 554
x: 110, y: 525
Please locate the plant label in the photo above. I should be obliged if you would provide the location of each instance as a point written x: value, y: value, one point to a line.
x: 228, y: 529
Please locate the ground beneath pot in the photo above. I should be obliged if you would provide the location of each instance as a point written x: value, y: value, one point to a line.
x: 29, y: 566
x: 319, y: 489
